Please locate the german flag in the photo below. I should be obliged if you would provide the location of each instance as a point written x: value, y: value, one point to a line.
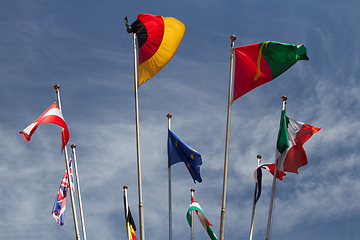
x: 158, y: 39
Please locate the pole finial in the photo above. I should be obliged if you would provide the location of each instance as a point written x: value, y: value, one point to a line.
x: 57, y: 87
x: 169, y: 115
x: 233, y: 38
x: 73, y: 146
x: 284, y: 98
x: 125, y: 187
x: 192, y: 190
x: 258, y: 156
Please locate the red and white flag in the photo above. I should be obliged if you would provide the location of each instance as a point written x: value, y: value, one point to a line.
x: 51, y: 115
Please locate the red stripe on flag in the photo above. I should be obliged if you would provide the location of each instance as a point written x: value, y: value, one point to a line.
x: 155, y: 32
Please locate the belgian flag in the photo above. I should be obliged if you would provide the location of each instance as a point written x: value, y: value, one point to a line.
x: 131, y: 225
x: 129, y: 219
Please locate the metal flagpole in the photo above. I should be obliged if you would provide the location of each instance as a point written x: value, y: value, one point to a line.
x: 192, y: 217
x: 77, y: 235
x: 127, y: 213
x: 73, y: 146
x: 136, y: 84
x: 283, y: 98
x: 169, y: 185
x: 222, y: 218
x: 254, y: 203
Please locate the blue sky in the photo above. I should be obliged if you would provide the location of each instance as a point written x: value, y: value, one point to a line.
x: 83, y: 46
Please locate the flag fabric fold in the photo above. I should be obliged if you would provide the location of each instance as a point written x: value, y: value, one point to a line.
x: 158, y: 40
x: 129, y: 219
x: 260, y: 63
x: 178, y: 151
x: 258, y: 176
x: 51, y: 115
x: 290, y: 153
x: 59, y: 207
x: 195, y: 206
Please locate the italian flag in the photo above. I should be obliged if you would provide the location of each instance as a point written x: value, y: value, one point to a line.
x: 290, y: 153
x: 259, y: 63
x: 194, y: 206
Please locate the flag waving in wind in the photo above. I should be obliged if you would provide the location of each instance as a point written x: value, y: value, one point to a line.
x: 59, y: 207
x: 178, y: 151
x: 158, y: 39
x: 194, y: 206
x: 51, y: 115
x: 289, y: 150
x: 258, y: 176
x: 260, y: 63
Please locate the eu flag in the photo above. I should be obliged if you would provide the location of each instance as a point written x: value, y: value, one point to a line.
x: 178, y: 151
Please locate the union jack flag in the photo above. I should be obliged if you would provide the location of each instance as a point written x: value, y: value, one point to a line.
x: 58, y: 210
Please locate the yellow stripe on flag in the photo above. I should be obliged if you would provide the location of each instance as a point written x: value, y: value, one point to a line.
x: 259, y: 61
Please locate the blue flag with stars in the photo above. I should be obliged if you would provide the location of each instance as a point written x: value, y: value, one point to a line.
x: 178, y: 151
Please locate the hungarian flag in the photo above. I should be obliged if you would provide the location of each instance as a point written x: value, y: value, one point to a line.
x: 258, y: 176
x: 178, y: 151
x: 194, y: 206
x: 51, y: 115
x: 158, y: 39
x: 289, y: 149
x: 260, y: 63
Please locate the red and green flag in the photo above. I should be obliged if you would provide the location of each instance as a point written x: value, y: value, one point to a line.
x: 260, y: 63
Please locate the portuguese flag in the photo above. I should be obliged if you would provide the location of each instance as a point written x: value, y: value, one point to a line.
x: 158, y: 39
x: 260, y: 63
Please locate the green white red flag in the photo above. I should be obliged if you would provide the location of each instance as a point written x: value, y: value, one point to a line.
x: 194, y: 206
x: 260, y: 63
x: 289, y: 150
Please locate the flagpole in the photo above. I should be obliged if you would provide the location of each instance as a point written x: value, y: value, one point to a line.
x: 222, y: 218
x: 283, y: 98
x: 127, y: 213
x: 254, y: 203
x: 192, y: 217
x: 136, y: 84
x: 73, y: 146
x: 169, y: 185
x: 77, y: 235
